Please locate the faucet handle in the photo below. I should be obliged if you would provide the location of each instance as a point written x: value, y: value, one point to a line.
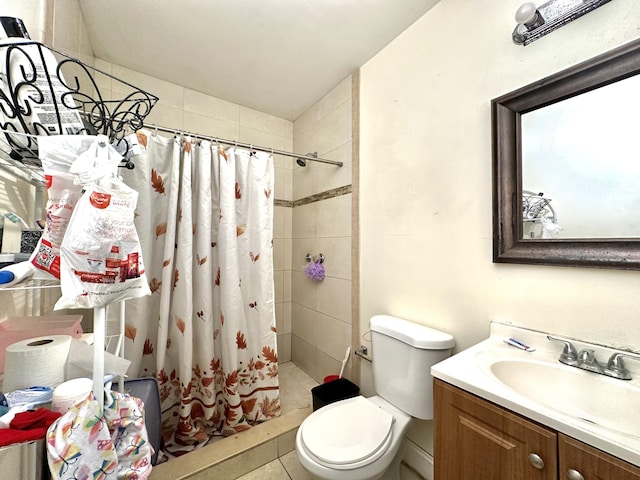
x: 569, y: 354
x: 587, y: 355
x: 616, y: 367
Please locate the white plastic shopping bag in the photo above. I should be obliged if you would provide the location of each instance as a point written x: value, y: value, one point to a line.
x: 101, y: 258
x: 68, y: 161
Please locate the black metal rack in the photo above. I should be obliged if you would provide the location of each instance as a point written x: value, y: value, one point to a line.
x: 41, y: 97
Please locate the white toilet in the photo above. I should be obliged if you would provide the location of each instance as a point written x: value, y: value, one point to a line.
x: 359, y: 438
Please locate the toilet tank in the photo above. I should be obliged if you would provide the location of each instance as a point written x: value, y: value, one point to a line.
x: 402, y: 355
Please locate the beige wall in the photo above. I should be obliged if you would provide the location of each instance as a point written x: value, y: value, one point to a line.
x: 321, y: 310
x: 425, y: 180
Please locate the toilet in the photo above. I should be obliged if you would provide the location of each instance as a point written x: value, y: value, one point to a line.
x: 360, y: 438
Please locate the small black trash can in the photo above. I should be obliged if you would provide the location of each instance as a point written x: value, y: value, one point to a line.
x: 333, y: 391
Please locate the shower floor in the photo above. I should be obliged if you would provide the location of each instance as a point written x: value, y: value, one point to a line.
x: 295, y: 388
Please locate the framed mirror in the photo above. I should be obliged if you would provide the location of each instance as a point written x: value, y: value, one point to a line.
x: 566, y: 166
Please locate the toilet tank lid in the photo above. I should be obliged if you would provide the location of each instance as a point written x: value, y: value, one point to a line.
x: 414, y: 334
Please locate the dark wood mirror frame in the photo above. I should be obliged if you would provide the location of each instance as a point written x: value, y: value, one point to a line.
x: 506, y: 111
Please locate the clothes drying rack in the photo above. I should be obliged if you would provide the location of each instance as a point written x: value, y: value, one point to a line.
x: 37, y: 98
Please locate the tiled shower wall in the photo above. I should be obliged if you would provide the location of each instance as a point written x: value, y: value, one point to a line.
x: 321, y: 310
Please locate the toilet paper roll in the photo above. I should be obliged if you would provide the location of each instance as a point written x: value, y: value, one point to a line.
x: 39, y: 361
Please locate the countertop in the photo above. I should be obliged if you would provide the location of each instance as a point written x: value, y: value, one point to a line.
x: 464, y: 371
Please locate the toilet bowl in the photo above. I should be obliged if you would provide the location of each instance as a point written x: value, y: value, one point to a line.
x: 361, y: 438
x: 353, y: 439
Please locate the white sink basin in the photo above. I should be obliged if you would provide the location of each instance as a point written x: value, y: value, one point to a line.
x: 591, y: 397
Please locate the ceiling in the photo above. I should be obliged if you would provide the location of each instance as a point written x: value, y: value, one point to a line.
x: 275, y: 56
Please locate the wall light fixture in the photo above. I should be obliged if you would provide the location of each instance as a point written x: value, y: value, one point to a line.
x: 534, y: 23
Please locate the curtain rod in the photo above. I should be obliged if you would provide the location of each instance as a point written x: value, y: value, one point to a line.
x: 250, y: 146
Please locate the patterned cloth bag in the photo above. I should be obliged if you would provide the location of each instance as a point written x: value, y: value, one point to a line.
x: 86, y: 445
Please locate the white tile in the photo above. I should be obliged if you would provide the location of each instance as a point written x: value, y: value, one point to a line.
x: 334, y: 217
x: 283, y: 184
x: 333, y: 336
x: 278, y: 282
x: 84, y: 46
x: 304, y: 323
x: 303, y: 354
x: 278, y: 254
x: 305, y: 180
x: 286, y: 286
x: 331, y: 176
x: 278, y: 222
x: 307, y: 142
x: 337, y: 256
x: 169, y: 93
x: 265, y: 122
x: 102, y: 80
x: 334, y: 130
x: 209, y: 126
x: 164, y: 115
x: 286, y: 443
x: 284, y: 348
x: 340, y: 94
x: 304, y: 221
x: 279, y: 312
x: 273, y: 470
x: 284, y: 161
x: 287, y: 252
x: 302, y: 247
x: 265, y: 139
x: 303, y: 290
x: 293, y: 467
x: 288, y: 223
x: 66, y: 28
x: 334, y: 298
x: 327, y: 365
x: 210, y: 106
x: 286, y: 316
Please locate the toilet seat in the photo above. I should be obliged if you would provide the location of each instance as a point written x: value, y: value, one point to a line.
x: 347, y: 434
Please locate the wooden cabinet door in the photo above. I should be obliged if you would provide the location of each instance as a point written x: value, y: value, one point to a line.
x: 477, y: 440
x: 591, y: 463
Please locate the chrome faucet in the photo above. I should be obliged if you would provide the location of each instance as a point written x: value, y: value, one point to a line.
x: 585, y: 359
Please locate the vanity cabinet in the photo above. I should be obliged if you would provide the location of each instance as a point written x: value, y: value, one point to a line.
x: 477, y: 439
x: 593, y: 464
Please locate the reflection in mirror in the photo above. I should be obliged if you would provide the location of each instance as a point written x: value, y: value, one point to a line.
x: 582, y: 153
x: 539, y: 219
x: 568, y: 144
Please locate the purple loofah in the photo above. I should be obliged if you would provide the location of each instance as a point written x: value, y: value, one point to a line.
x: 315, y: 271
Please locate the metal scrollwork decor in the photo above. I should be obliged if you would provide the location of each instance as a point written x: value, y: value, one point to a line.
x: 45, y: 92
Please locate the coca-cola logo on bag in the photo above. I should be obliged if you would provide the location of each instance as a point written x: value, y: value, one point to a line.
x: 100, y: 200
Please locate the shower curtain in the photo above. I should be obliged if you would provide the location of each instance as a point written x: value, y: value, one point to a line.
x: 207, y: 332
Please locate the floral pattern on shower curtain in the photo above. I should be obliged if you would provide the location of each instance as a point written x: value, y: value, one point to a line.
x: 207, y: 332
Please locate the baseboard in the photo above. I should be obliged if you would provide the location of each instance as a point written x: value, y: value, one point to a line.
x: 418, y: 460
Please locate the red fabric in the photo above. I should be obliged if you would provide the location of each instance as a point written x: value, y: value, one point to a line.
x: 28, y: 426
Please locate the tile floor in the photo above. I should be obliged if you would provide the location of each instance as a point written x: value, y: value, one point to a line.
x: 286, y: 467
x: 295, y: 392
x: 295, y: 387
